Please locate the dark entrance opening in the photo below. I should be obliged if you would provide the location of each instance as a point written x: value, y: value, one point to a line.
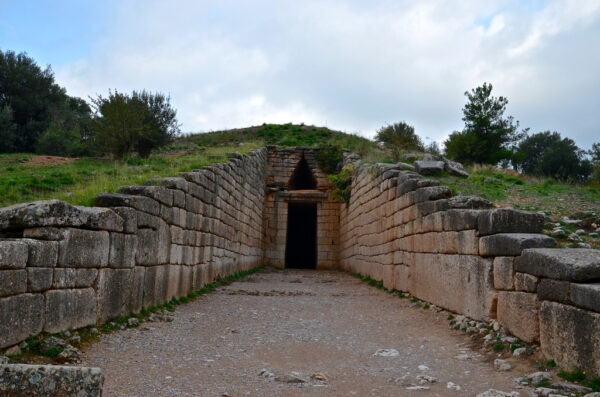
x: 302, y: 179
x: 301, y: 246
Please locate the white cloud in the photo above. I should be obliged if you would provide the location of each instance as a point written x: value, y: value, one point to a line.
x: 351, y: 65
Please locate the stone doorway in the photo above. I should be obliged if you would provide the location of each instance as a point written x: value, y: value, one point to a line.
x: 301, y: 244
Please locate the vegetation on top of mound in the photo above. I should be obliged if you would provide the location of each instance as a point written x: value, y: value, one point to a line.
x: 284, y: 135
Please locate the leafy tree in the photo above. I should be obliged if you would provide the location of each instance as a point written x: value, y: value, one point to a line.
x: 57, y: 141
x: 30, y: 102
x: 399, y: 137
x: 7, y: 129
x: 595, y: 153
x: 118, y: 124
x: 434, y: 149
x: 530, y: 150
x: 488, y: 135
x: 140, y: 122
x: 548, y: 154
x: 564, y: 160
x: 160, y: 121
x: 30, y: 92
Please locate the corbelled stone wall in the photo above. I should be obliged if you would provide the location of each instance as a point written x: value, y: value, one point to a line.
x: 282, y: 163
x: 63, y: 266
x: 459, y: 254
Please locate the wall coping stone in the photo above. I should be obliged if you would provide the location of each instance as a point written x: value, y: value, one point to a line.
x: 58, y: 213
x: 572, y: 264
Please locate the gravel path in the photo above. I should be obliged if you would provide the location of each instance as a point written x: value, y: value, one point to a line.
x: 294, y: 324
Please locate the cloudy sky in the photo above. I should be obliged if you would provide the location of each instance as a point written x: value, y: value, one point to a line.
x: 349, y: 65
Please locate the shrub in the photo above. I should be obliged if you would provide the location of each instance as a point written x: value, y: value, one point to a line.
x: 342, y: 183
x: 488, y: 134
x: 398, y: 138
x: 329, y: 157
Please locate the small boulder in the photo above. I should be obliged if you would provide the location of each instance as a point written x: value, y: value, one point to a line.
x: 502, y: 365
x: 456, y: 169
x: 52, y: 343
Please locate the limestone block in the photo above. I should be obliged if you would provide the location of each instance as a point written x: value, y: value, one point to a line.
x: 429, y: 167
x: 460, y: 283
x: 83, y: 248
x: 69, y: 308
x: 136, y: 299
x: 375, y: 271
x: 432, y: 193
x: 41, y: 214
x: 129, y: 216
x: 13, y: 254
x: 570, y: 336
x: 113, y: 289
x: 155, y: 285
x: 101, y: 219
x: 467, y: 242
x: 13, y: 282
x: 50, y: 380
x: 41, y: 253
x: 518, y: 313
x: 73, y: 278
x: 173, y: 281
x: 20, y: 316
x: 507, y: 220
x: 507, y: 244
x: 153, y: 246
x: 572, y: 264
x: 186, y: 281
x: 140, y: 203
x: 170, y: 183
x: 388, y: 276
x: 179, y: 198
x: 469, y: 203
x: 39, y: 279
x: 401, y: 278
x: 525, y: 282
x: 554, y: 290
x: 503, y: 272
x: 158, y: 193
x: 459, y: 219
x: 123, y: 248
x: 176, y: 254
x: 586, y: 296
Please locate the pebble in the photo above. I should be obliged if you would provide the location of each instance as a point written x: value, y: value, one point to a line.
x: 423, y: 367
x: 386, y: 353
x: 519, y: 351
x: 133, y: 322
x: 502, y: 365
x: 418, y: 388
x: 537, y: 377
x: 497, y: 393
x: 13, y: 351
x: 583, y: 245
x: 574, y: 237
x: 452, y: 386
x: 423, y: 379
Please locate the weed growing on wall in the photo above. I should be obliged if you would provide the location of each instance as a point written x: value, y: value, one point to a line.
x: 342, y: 184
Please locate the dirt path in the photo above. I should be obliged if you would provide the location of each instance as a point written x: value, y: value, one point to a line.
x: 296, y: 324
